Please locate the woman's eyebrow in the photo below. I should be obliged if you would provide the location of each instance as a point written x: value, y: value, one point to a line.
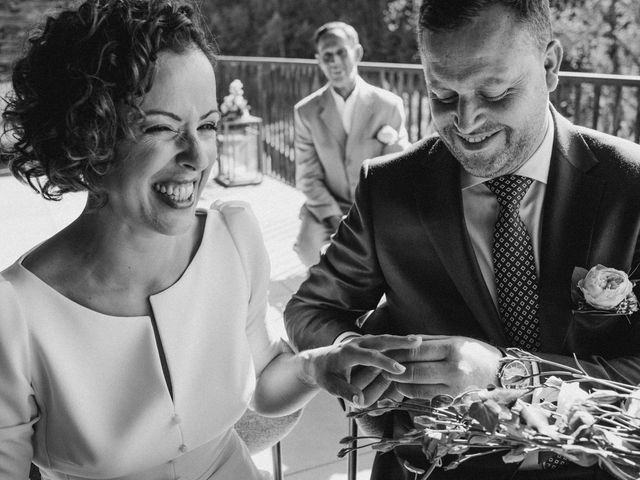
x: 214, y: 110
x: 163, y: 112
x: 176, y: 117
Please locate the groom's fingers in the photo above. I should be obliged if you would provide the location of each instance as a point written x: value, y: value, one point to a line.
x: 414, y: 390
x: 428, y: 373
x: 384, y: 343
x: 429, y: 350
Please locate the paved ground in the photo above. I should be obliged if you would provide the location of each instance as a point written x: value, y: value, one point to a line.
x: 309, y: 452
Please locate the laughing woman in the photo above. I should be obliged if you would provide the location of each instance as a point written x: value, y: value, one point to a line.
x: 134, y: 339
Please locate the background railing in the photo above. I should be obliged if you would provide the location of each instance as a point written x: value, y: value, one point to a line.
x: 609, y: 103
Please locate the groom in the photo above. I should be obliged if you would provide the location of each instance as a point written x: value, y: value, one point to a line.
x: 473, y: 235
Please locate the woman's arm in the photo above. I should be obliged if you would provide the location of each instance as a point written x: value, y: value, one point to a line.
x: 290, y: 380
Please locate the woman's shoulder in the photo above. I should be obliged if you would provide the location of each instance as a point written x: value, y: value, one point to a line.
x: 237, y: 215
x: 48, y: 261
x: 227, y: 207
x: 12, y: 280
x: 243, y: 226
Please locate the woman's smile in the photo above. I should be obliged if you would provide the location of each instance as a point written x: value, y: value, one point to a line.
x: 176, y: 194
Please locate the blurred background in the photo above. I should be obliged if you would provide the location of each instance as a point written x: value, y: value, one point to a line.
x: 599, y: 36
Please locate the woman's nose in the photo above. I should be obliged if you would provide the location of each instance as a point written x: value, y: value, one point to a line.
x: 194, y: 155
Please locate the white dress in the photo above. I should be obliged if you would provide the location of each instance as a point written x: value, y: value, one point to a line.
x: 83, y: 394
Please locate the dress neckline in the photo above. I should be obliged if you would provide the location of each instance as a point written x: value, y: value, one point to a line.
x: 185, y: 274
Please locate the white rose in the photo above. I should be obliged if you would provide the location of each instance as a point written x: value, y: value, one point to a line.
x: 604, y: 287
x: 387, y: 135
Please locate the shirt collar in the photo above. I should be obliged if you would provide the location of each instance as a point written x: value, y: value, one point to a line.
x: 352, y: 96
x: 536, y: 168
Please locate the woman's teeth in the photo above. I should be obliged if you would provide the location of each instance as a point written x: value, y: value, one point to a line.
x: 178, y: 192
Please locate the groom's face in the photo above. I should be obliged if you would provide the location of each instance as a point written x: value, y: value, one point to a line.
x: 488, y: 85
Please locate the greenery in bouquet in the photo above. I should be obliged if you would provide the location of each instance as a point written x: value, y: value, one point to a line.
x: 585, y: 419
x: 234, y: 105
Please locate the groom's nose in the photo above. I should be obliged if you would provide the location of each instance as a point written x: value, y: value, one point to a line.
x: 469, y: 114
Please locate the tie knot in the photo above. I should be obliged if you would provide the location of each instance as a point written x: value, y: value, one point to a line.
x: 509, y: 189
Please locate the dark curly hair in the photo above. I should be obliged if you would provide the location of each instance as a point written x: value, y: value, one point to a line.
x: 80, y: 69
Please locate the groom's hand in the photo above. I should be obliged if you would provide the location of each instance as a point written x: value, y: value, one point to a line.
x: 331, y: 367
x: 445, y: 365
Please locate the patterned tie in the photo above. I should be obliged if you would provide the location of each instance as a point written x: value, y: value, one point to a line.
x: 516, y: 279
x: 514, y: 264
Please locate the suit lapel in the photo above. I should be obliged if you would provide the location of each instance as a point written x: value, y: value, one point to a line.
x: 329, y: 115
x: 440, y: 205
x: 361, y: 118
x: 571, y: 201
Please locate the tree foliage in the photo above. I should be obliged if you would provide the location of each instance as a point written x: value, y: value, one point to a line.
x: 284, y: 28
x: 597, y: 35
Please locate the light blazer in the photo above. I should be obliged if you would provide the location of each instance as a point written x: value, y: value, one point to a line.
x: 328, y: 160
x: 406, y: 237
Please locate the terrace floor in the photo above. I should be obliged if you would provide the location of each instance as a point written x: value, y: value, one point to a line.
x: 309, y: 452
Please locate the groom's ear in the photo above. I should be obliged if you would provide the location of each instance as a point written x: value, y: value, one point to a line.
x: 552, y: 61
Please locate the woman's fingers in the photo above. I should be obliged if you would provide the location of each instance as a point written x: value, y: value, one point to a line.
x: 361, y: 376
x: 353, y: 355
x: 374, y: 391
x: 339, y: 387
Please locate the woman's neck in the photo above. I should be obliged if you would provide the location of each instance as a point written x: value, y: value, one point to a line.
x: 111, y: 267
x: 116, y: 252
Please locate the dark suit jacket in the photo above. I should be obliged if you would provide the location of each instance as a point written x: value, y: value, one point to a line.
x: 405, y: 237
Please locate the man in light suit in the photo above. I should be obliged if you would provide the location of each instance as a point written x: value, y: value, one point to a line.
x: 427, y: 225
x: 336, y: 129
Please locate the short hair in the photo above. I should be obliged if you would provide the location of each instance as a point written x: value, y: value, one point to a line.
x: 328, y: 28
x: 447, y: 15
x: 79, y: 71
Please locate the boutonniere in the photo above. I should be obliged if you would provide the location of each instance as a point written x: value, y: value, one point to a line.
x: 387, y: 135
x: 603, y: 291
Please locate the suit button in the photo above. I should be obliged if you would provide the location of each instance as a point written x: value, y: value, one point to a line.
x: 176, y: 419
x: 182, y: 448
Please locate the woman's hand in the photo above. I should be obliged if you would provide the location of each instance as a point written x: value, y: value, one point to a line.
x: 331, y: 367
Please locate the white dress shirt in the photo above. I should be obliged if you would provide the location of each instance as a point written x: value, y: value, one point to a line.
x: 481, y: 207
x: 346, y: 106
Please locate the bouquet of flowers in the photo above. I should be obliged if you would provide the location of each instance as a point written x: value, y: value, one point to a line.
x: 585, y: 419
x: 599, y: 426
x: 235, y: 105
